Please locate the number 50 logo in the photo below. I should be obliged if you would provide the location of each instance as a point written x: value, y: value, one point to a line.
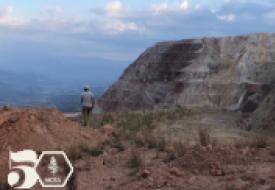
x: 51, y: 169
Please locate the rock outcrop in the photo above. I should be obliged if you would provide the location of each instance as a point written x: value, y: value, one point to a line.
x: 234, y: 73
x: 264, y: 116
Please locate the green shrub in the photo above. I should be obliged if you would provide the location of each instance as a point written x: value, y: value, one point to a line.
x: 135, y: 160
x: 94, y: 151
x: 259, y: 142
x: 74, y: 153
x: 179, y: 148
x: 171, y: 156
x: 107, y: 118
x: 162, y: 143
x: 117, y: 143
x: 204, y: 137
x: 131, y: 123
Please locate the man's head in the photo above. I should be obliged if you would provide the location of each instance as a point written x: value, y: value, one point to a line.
x: 86, y: 88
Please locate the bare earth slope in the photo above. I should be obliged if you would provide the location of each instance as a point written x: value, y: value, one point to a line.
x: 38, y: 129
x: 233, y: 73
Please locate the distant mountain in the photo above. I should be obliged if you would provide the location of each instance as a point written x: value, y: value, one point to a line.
x: 54, y: 81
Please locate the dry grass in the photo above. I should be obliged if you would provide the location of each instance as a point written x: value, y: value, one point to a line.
x: 204, y: 137
x: 170, y: 155
x: 254, y: 141
x: 180, y: 149
x: 136, y: 121
x: 259, y: 141
x: 135, y: 161
x: 114, y: 142
x: 161, y: 129
x: 94, y: 151
x: 150, y: 140
x: 118, y: 144
x: 74, y: 153
x: 162, y: 143
x: 174, y: 150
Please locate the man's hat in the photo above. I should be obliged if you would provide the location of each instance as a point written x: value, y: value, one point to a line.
x: 86, y: 87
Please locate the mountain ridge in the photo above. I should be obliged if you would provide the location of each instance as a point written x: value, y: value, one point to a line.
x: 227, y: 73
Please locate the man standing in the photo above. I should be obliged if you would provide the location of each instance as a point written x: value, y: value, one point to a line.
x: 88, y: 103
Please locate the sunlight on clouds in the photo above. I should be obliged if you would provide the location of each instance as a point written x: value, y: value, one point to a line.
x: 113, y: 7
x: 119, y: 26
x: 114, y: 22
x: 7, y: 11
x: 227, y: 18
x: 55, y: 10
x: 165, y: 7
x: 197, y: 7
x: 7, y: 18
x: 157, y: 8
x: 184, y: 5
x: 129, y: 24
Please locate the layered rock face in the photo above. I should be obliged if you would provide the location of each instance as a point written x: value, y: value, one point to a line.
x: 235, y: 73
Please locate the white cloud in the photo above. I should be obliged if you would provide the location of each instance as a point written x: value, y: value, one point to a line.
x: 7, y: 18
x: 184, y: 5
x: 142, y: 24
x: 56, y: 10
x: 115, y: 27
x: 161, y: 7
x: 114, y: 22
x: 113, y: 7
x: 198, y: 7
x: 12, y: 21
x: 6, y: 11
x: 165, y: 7
x: 227, y: 18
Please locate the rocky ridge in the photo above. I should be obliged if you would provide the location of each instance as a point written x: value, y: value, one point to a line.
x: 229, y: 73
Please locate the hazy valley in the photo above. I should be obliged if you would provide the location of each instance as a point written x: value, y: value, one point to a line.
x: 55, y: 85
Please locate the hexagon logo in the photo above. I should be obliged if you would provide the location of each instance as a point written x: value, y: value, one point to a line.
x: 54, y: 169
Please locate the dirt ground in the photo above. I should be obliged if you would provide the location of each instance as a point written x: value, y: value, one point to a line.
x: 234, y: 159
x: 174, y: 151
x: 219, y: 168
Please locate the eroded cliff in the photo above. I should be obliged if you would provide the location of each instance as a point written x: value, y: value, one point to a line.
x: 234, y: 73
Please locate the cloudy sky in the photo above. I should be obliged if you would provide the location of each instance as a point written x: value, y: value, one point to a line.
x: 118, y: 30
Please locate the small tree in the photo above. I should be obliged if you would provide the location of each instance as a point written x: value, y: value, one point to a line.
x: 53, y: 166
